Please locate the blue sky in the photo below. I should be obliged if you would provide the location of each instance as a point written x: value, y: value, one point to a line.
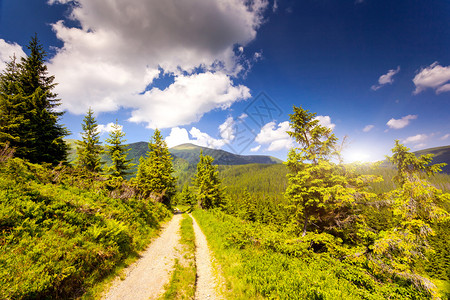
x: 226, y: 74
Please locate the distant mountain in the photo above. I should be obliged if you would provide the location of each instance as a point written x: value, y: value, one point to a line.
x: 186, y: 154
x: 191, y: 153
x: 441, y: 155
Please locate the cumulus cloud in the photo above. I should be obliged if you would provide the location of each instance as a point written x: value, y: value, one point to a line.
x: 368, y: 128
x: 255, y: 149
x: 177, y: 137
x: 180, y: 136
x: 227, y: 129
x: 101, y: 128
x: 400, y: 123
x: 7, y: 52
x: 418, y: 146
x: 434, y: 77
x: 325, y: 121
x: 121, y: 47
x: 418, y: 138
x: 195, y: 136
x: 446, y: 136
x: 205, y: 140
x: 186, y: 100
x: 386, y: 78
x: 276, y: 136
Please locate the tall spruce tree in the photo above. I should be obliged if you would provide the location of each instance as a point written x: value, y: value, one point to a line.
x: 322, y: 192
x: 28, y: 120
x: 208, y: 190
x: 117, y: 151
x: 89, y: 148
x: 416, y: 204
x: 154, y: 176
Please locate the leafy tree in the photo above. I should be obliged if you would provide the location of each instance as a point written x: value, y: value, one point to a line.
x: 89, y: 149
x: 416, y: 204
x: 154, y: 176
x: 322, y: 193
x: 28, y: 120
x: 209, y: 191
x: 118, y: 153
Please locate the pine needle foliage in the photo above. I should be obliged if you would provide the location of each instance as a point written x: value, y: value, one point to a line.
x: 28, y: 120
x: 117, y: 151
x: 89, y: 148
x: 416, y: 205
x: 208, y: 189
x: 154, y: 176
x: 322, y: 193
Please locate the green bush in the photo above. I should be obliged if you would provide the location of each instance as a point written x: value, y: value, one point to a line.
x: 61, y: 233
x: 262, y: 261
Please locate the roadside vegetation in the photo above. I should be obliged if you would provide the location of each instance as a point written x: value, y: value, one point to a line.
x: 313, y: 228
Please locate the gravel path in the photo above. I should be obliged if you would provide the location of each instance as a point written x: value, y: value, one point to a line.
x: 145, y: 279
x: 206, y: 282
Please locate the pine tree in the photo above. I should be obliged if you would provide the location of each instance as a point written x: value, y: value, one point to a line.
x: 154, y: 176
x: 415, y: 204
x: 186, y: 196
x: 118, y: 153
x: 322, y: 192
x: 28, y: 120
x: 209, y: 192
x: 89, y: 148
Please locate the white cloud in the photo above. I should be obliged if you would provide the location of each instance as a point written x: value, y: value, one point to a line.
x: 180, y: 136
x: 276, y: 136
x: 205, y: 140
x: 255, y: 149
x: 368, y: 128
x: 325, y: 121
x: 418, y: 146
x: 7, y: 51
x: 418, y: 138
x: 435, y: 77
x: 400, y: 123
x: 386, y: 78
x: 177, y: 137
x: 444, y: 137
x: 122, y: 46
x: 101, y: 128
x: 227, y: 129
x: 275, y: 6
x: 186, y: 100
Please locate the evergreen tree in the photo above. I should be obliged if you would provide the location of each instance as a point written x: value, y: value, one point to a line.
x: 118, y: 153
x: 186, y: 196
x: 28, y: 120
x: 89, y: 149
x: 320, y: 191
x: 209, y: 192
x: 416, y: 204
x: 154, y: 176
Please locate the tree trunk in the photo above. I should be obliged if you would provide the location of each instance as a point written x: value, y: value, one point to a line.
x: 305, y: 224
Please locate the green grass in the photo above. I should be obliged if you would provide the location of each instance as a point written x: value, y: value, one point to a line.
x: 182, y: 283
x: 256, y: 264
x: 58, y: 240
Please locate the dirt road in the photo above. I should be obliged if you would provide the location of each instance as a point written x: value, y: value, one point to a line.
x: 206, y: 280
x: 145, y: 279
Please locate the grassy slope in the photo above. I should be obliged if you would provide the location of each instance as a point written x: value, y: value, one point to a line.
x: 260, y: 263
x: 59, y: 239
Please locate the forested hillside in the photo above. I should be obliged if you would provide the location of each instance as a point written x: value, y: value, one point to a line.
x: 310, y: 228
